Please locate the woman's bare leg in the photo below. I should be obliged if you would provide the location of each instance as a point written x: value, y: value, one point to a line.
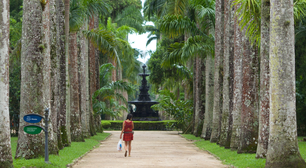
x: 125, y: 147
x: 130, y: 147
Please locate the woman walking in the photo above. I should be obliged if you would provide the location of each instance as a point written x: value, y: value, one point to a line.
x: 127, y: 129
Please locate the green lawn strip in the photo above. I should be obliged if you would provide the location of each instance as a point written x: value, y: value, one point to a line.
x: 66, y: 156
x: 227, y: 156
x: 232, y: 158
x: 302, y: 147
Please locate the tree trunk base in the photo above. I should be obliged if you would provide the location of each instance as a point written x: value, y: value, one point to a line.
x: 234, y: 148
x: 6, y: 164
x: 292, y: 162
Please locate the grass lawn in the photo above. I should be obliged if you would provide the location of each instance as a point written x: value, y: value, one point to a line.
x: 65, y: 156
x: 229, y: 157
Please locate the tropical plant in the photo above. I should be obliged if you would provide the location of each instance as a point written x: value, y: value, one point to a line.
x: 108, y: 94
x: 181, y: 110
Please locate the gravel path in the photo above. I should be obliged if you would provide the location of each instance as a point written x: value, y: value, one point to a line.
x: 150, y: 149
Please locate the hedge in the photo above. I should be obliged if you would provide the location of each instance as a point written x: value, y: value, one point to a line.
x: 140, y: 125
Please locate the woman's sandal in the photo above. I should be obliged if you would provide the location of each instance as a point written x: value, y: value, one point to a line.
x: 125, y: 153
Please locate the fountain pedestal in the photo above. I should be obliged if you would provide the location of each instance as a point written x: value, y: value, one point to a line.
x: 143, y: 104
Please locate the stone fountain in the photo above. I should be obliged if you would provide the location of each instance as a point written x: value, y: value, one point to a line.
x: 143, y: 104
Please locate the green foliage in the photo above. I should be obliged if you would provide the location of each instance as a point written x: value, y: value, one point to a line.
x: 249, y: 14
x: 300, y: 64
x: 131, y: 17
x: 249, y: 17
x: 178, y: 109
x: 105, y: 124
x: 65, y: 156
x: 83, y: 10
x: 119, y: 5
x: 105, y: 99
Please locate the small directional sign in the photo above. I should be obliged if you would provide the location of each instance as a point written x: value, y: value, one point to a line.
x: 32, y: 129
x: 32, y: 118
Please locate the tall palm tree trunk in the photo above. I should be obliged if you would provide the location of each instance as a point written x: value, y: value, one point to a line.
x: 75, y: 118
x: 35, y: 77
x: 97, y: 68
x: 196, y: 93
x: 283, y: 150
x: 61, y: 117
x: 209, y: 98
x: 250, y: 100
x: 55, y: 69
x: 92, y: 78
x: 84, y: 84
x: 219, y: 51
x: 237, y: 92
x: 263, y: 135
x: 5, y: 136
x: 67, y: 128
x: 227, y: 108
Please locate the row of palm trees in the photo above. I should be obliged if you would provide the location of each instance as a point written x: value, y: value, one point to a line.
x: 63, y: 45
x: 246, y: 97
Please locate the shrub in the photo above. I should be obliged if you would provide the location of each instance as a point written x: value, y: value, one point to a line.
x: 105, y: 124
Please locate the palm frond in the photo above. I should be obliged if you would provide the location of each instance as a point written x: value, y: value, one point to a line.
x: 131, y: 17
x: 154, y: 7
x: 173, y: 55
x: 96, y: 7
x: 177, y: 7
x: 249, y: 14
x: 198, y: 45
x: 151, y: 39
x: 76, y: 16
x: 104, y: 40
x: 174, y: 26
x: 299, y: 9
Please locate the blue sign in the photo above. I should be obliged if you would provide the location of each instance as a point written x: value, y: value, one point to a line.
x: 32, y: 118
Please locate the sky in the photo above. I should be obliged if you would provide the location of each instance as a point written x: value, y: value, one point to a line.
x: 139, y: 42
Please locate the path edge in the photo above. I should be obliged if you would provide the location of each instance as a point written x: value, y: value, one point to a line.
x: 193, y: 142
x: 74, y: 162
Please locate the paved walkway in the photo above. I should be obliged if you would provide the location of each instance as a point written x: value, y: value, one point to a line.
x: 150, y: 149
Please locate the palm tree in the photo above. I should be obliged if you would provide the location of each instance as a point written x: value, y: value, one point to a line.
x: 55, y: 69
x: 250, y: 99
x: 250, y: 14
x: 80, y: 11
x: 5, y: 136
x: 67, y: 117
x: 209, y: 101
x: 84, y: 84
x: 236, y: 114
x: 283, y: 150
x: 35, y: 78
x: 61, y: 117
x: 219, y: 51
x: 227, y: 108
x: 175, y: 24
x: 263, y: 135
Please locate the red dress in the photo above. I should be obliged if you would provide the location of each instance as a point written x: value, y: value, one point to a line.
x: 128, y: 128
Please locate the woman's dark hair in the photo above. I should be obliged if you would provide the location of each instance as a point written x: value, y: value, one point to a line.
x: 129, y: 116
